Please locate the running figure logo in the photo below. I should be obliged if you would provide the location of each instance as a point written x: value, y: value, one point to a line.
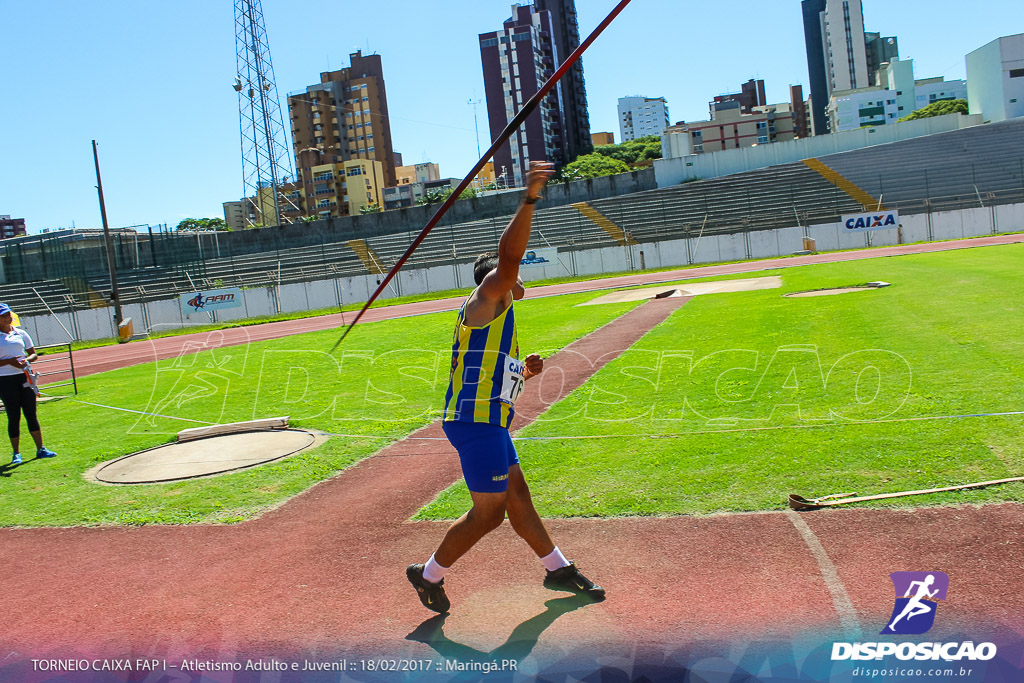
x: 916, y: 595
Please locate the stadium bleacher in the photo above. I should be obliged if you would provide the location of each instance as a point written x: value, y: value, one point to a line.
x: 981, y: 165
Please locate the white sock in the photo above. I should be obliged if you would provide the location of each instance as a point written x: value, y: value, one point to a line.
x: 555, y: 560
x: 433, y: 572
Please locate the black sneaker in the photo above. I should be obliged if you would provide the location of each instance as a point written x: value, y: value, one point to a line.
x: 570, y: 579
x: 431, y: 594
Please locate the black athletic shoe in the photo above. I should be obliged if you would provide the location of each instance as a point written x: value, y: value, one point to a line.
x: 431, y: 594
x: 570, y: 579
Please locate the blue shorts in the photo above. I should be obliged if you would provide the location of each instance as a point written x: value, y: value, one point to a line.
x: 486, y: 453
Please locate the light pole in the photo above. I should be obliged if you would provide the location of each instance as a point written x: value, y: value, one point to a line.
x: 111, y: 266
x: 476, y: 127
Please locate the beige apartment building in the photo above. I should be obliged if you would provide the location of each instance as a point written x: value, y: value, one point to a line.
x: 234, y: 215
x: 731, y: 129
x: 345, y: 117
x: 417, y: 173
x: 338, y: 188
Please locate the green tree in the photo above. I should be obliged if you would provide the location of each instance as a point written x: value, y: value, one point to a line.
x: 638, y: 152
x: 440, y: 195
x: 433, y: 197
x: 593, y: 166
x: 201, y: 225
x: 370, y: 208
x: 938, y: 109
x: 566, y: 175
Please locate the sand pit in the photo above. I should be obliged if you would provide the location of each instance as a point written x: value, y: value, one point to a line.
x: 690, y: 289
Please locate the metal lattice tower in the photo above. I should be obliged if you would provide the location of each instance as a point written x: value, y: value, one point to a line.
x: 266, y: 155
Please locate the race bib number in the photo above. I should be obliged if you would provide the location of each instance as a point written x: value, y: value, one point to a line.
x: 512, y: 382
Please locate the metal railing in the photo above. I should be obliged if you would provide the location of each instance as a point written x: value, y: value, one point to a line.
x: 57, y: 357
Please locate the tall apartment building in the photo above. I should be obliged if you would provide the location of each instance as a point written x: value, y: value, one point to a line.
x: 838, y: 52
x: 575, y: 116
x: 516, y: 61
x: 642, y: 116
x: 345, y: 118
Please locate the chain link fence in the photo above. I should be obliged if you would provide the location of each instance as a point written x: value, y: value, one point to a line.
x: 64, y: 276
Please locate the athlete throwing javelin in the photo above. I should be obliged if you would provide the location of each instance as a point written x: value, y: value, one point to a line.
x: 486, y: 379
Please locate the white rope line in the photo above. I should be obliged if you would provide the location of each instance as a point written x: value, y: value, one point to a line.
x: 369, y: 436
x: 140, y: 412
x: 677, y: 435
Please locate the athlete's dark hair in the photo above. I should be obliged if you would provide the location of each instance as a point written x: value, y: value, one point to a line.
x: 484, y: 264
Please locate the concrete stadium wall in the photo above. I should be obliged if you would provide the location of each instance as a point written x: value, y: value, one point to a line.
x: 97, y: 323
x: 672, y: 171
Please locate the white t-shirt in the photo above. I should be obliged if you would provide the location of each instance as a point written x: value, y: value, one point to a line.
x: 13, y: 345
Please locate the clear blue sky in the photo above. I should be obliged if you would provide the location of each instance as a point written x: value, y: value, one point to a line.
x: 151, y: 82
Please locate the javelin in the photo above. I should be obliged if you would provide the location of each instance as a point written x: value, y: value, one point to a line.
x: 516, y: 121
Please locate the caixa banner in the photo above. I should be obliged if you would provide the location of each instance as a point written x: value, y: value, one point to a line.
x: 213, y: 300
x: 876, y: 220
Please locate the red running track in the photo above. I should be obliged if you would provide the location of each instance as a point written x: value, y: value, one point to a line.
x: 322, y: 576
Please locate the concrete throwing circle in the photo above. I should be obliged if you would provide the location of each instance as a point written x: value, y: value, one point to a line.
x: 204, y: 457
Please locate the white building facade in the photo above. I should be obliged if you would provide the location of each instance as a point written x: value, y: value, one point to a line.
x: 642, y: 116
x: 845, y: 49
x: 932, y: 90
x: 897, y: 95
x: 853, y: 109
x: 995, y: 79
x: 897, y: 76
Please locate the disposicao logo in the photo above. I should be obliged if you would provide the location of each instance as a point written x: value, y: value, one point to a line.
x: 916, y: 595
x: 913, y: 614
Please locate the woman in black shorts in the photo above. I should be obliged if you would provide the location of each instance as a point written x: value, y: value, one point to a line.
x: 16, y: 352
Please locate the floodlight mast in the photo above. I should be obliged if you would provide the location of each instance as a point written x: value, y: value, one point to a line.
x: 266, y: 154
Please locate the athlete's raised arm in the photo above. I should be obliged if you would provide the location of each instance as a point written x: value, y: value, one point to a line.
x: 512, y: 245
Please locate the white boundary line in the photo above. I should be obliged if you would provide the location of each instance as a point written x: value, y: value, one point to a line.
x: 840, y: 598
x: 141, y: 412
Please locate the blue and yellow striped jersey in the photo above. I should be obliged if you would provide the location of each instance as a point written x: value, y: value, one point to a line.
x: 487, y: 375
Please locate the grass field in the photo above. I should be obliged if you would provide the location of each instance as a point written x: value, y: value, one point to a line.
x: 408, y: 362
x: 740, y: 399
x: 734, y: 402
